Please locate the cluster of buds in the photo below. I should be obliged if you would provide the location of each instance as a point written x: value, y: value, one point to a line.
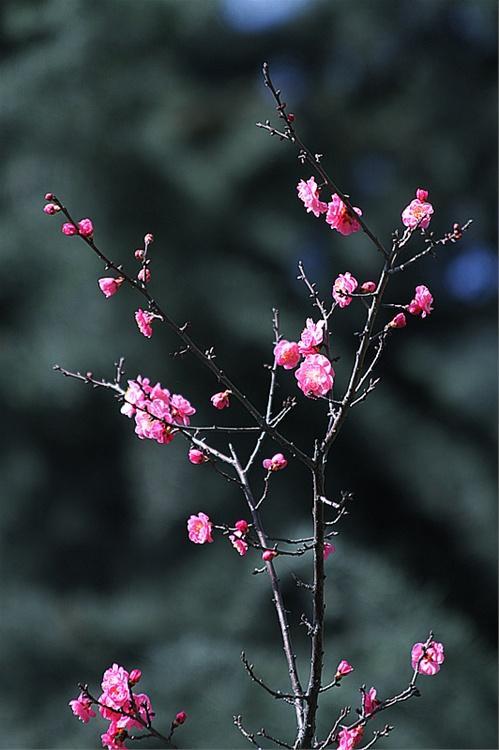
x: 144, y: 275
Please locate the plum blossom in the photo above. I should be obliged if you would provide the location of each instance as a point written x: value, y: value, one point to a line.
x: 197, y: 457
x: 181, y: 410
x: 109, y: 285
x: 399, y: 321
x: 69, y: 229
x: 312, y: 337
x: 339, y: 218
x: 82, y: 708
x: 180, y: 718
x: 85, y: 228
x: 242, y: 526
x: 199, y: 528
x: 144, y: 320
x: 369, y: 701
x: 221, y: 400
x: 287, y: 354
x: 144, y: 275
x: 328, y: 549
x: 308, y: 192
x: 344, y: 285
x: 114, y: 737
x: 115, y: 686
x: 343, y: 669
x: 419, y: 212
x: 155, y: 411
x: 135, y: 676
x: 368, y: 287
x: 421, y: 304
x: 276, y: 463
x: 269, y: 555
x: 348, y: 739
x: 427, y: 661
x: 51, y: 208
x: 238, y: 543
x: 315, y: 375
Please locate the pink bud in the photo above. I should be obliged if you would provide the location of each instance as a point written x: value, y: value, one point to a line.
x: 180, y: 718
x: 421, y: 195
x: 328, y: 549
x: 144, y: 275
x: 69, y: 229
x: 291, y: 117
x: 269, y: 555
x: 221, y: 400
x: 139, y: 254
x: 398, y: 321
x: 276, y: 463
x: 85, y: 228
x: 49, y: 196
x: 242, y: 526
x: 368, y: 286
x: 109, y: 285
x: 197, y: 457
x: 134, y: 676
x: 342, y: 669
x: 148, y: 239
x: 51, y: 209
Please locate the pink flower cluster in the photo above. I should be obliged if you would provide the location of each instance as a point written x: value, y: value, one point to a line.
x: 237, y: 538
x: 200, y: 527
x: 337, y: 214
x: 315, y: 374
x: 419, y: 212
x: 348, y: 739
x: 155, y: 410
x: 427, y: 660
x: 119, y: 705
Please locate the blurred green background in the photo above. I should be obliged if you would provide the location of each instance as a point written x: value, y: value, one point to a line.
x: 141, y: 115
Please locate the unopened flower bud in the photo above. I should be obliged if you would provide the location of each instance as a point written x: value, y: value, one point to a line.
x: 51, y: 209
x: 197, y: 457
x: 343, y: 669
x: 85, y: 228
x: 180, y: 718
x: 269, y: 555
x: 49, y: 196
x: 398, y: 321
x: 368, y: 286
x: 421, y: 195
x: 242, y: 526
x: 148, y: 239
x: 139, y: 254
x: 134, y: 676
x: 109, y: 285
x: 69, y: 229
x: 291, y: 117
x: 144, y: 275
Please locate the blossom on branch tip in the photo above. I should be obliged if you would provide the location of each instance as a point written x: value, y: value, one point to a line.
x: 238, y: 543
x: 242, y: 526
x: 51, y: 208
x: 344, y: 285
x: 315, y: 375
x: 419, y: 212
x: 180, y: 718
x: 348, y: 739
x: 287, y: 354
x: 109, y: 285
x: 369, y: 701
x: 427, y: 660
x: 328, y: 549
x: 144, y: 320
x: 368, y: 287
x: 399, y: 321
x: 82, y: 708
x: 269, y: 555
x: 308, y: 192
x: 343, y: 669
x: 421, y: 304
x: 339, y: 218
x: 85, y: 228
x: 197, y: 457
x: 134, y: 676
x: 221, y: 400
x: 276, y: 463
x: 199, y: 528
x: 312, y: 337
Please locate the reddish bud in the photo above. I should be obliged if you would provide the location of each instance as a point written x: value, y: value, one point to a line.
x: 134, y: 676
x: 398, y: 321
x: 180, y: 718
x: 139, y: 254
x: 269, y: 555
x: 69, y: 229
x: 368, y: 286
x: 242, y: 526
x: 148, y: 239
x: 85, y: 228
x: 291, y: 117
x: 51, y: 209
x: 144, y: 275
x: 49, y: 196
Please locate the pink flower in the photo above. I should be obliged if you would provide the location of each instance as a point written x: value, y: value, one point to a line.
x: 399, y: 321
x: 85, y: 228
x: 197, y: 457
x: 308, y: 192
x: 134, y: 396
x: 328, y: 549
x: 368, y: 287
x: 69, y: 229
x: 344, y: 285
x: 143, y: 709
x: 421, y: 304
x: 242, y: 526
x: 181, y: 410
x: 49, y: 197
x: 427, y: 661
x: 315, y: 375
x: 348, y: 739
x: 82, y: 708
x: 221, y: 400
x: 418, y: 213
x: 239, y: 544
x: 51, y: 208
x: 144, y: 275
x: 339, y: 218
x: 269, y: 555
x: 287, y: 354
x: 114, y: 737
x: 343, y: 669
x: 144, y: 320
x: 134, y: 676
x: 311, y: 337
x: 109, y: 286
x: 199, y: 528
x: 115, y: 686
x: 369, y: 701
x: 180, y: 718
x: 152, y: 429
x: 276, y: 463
